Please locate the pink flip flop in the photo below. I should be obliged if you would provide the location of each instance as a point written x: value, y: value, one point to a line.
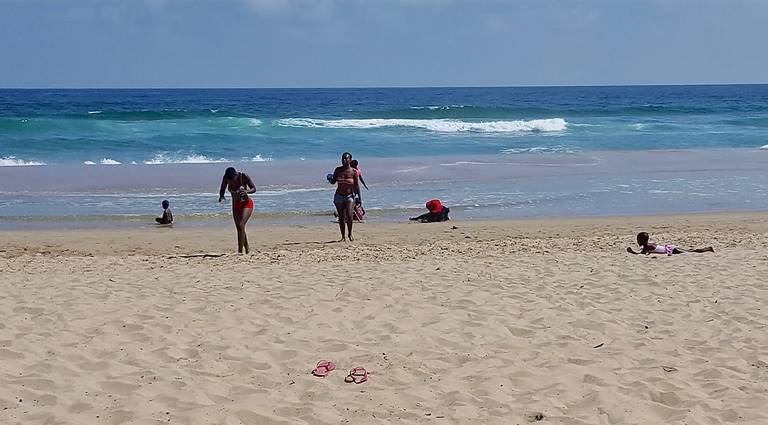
x: 357, y: 375
x: 323, y: 368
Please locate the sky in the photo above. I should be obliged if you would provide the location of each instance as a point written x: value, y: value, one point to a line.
x: 370, y: 43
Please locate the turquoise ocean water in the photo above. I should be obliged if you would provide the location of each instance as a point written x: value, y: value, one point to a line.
x: 489, y: 152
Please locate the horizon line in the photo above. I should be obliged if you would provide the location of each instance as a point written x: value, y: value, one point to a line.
x: 384, y: 87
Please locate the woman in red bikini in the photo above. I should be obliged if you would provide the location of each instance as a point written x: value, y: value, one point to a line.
x: 239, y: 185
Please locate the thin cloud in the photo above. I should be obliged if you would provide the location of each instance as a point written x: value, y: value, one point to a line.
x: 317, y: 9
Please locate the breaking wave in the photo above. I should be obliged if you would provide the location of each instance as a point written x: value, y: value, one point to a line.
x: 539, y: 149
x: 105, y: 161
x: 12, y: 161
x: 181, y: 159
x: 166, y: 158
x: 437, y: 125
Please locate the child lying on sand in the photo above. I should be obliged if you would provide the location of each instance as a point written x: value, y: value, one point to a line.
x: 649, y: 247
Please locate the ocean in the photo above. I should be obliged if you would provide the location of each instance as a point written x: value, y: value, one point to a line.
x: 108, y: 157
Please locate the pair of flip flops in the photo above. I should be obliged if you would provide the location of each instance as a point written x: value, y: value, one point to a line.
x: 358, y: 375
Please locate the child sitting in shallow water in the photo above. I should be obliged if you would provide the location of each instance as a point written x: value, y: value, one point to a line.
x: 648, y: 247
x: 167, y: 217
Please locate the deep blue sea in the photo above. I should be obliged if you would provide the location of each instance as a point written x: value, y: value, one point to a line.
x: 116, y: 152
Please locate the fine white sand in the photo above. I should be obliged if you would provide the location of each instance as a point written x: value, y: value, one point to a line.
x: 506, y: 322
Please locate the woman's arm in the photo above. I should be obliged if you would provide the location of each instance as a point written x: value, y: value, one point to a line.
x: 222, y: 189
x: 335, y: 175
x: 357, y: 186
x: 249, y: 186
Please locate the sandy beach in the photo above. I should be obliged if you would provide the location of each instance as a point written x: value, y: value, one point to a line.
x: 497, y: 322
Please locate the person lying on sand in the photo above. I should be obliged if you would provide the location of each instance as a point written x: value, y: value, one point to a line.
x: 648, y: 247
x: 437, y: 212
x: 167, y: 217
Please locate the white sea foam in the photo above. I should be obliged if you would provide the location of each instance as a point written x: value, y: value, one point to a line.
x: 12, y: 161
x: 438, y: 107
x: 662, y: 192
x: 248, y: 122
x: 280, y: 192
x: 539, y: 149
x: 764, y: 148
x: 437, y: 125
x: 188, y: 159
x: 257, y: 158
x: 165, y: 158
x: 410, y: 170
x: 105, y: 161
x: 451, y: 164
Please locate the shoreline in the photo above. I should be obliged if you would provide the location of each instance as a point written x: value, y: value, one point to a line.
x: 302, y: 218
x: 219, y: 236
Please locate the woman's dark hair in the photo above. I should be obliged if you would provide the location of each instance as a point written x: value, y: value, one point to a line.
x: 166, y: 203
x: 642, y: 238
x: 230, y: 173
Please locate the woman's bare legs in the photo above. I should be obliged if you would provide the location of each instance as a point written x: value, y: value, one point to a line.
x: 245, y: 216
x: 680, y: 250
x: 237, y: 215
x: 342, y: 217
x: 349, y: 212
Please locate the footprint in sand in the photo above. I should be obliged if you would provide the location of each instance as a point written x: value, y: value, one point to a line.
x: 335, y: 348
x: 261, y: 366
x: 287, y: 354
x: 97, y: 365
x: 534, y: 416
x: 248, y: 417
x: 37, y: 384
x: 118, y: 387
x: 79, y: 407
x: 28, y: 310
x: 6, y: 354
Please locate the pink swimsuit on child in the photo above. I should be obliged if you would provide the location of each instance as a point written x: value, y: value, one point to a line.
x: 664, y: 249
